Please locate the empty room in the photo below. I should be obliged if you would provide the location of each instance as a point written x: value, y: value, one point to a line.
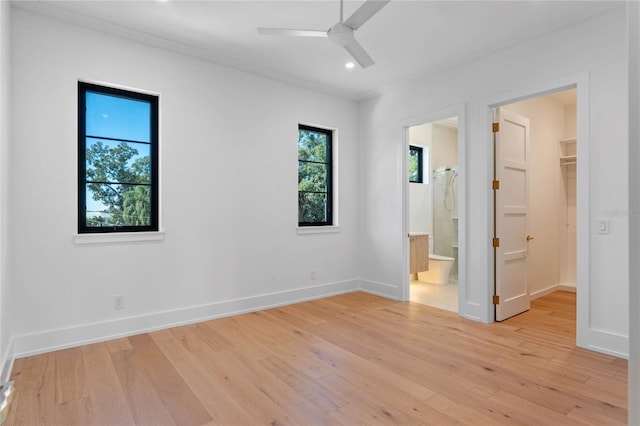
x: 154, y: 267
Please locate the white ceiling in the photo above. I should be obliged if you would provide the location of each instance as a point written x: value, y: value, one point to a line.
x: 406, y: 38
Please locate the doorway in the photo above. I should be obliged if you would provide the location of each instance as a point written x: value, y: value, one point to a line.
x: 434, y: 209
x: 549, y: 240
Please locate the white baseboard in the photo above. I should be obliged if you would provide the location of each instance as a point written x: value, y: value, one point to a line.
x: 561, y: 286
x: 608, y: 343
x: 567, y: 287
x: 51, y: 340
x: 389, y: 291
x: 544, y: 291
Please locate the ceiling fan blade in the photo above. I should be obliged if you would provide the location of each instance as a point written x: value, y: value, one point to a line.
x: 358, y: 53
x: 365, y: 12
x: 291, y: 32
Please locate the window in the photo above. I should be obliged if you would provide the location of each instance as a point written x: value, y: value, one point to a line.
x: 315, y: 197
x: 415, y: 164
x: 117, y: 160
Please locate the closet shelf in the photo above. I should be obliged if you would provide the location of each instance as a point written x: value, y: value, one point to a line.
x: 568, y: 152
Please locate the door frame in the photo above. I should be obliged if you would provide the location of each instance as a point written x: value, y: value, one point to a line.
x: 581, y: 83
x: 458, y: 111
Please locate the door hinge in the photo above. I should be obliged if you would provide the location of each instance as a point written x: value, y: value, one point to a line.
x: 496, y: 242
x: 496, y: 300
x: 496, y: 127
x: 495, y: 184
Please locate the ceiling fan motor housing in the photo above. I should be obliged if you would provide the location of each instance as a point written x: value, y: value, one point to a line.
x: 340, y: 34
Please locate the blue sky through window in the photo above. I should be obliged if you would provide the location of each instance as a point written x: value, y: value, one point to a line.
x: 118, y: 118
x: 114, y: 117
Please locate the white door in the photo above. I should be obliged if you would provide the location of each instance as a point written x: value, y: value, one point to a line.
x: 511, y: 208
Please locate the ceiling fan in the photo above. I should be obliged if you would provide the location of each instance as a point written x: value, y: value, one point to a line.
x: 341, y: 33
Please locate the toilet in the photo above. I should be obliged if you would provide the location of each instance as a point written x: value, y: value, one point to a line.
x: 439, y: 267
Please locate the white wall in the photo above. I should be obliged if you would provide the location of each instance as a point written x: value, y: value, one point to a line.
x: 444, y: 146
x: 596, y: 47
x: 420, y: 196
x: 5, y: 136
x: 570, y: 114
x: 228, y: 192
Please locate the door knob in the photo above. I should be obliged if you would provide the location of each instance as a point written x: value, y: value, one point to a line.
x: 529, y: 238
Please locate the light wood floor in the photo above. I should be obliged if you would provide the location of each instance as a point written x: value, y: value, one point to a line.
x: 350, y: 359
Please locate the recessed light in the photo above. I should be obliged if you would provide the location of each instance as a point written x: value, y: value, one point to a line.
x: 350, y: 65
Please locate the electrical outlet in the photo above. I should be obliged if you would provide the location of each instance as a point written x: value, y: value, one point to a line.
x: 118, y: 302
x: 313, y: 275
x: 603, y: 226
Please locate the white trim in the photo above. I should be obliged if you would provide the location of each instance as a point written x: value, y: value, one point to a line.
x: 120, y: 87
x: 56, y: 339
x: 581, y: 82
x: 567, y: 287
x: 543, y: 292
x: 560, y: 286
x: 388, y: 291
x: 306, y: 230
x: 117, y: 238
x: 608, y: 343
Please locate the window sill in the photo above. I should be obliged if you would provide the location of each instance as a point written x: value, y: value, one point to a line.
x: 303, y: 230
x: 117, y: 238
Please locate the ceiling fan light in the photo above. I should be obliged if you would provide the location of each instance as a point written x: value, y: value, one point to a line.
x: 350, y: 65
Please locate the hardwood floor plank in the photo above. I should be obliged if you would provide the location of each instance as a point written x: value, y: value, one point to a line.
x: 182, y: 404
x: 230, y: 372
x: 144, y: 403
x: 107, y: 399
x: 117, y: 345
x: 70, y: 377
x: 36, y: 375
x: 205, y: 381
x: 212, y: 338
x: 250, y: 392
x: 467, y: 414
x: 364, y: 408
x: 349, y: 359
x: 74, y: 412
x: 595, y: 417
x: 533, y: 413
x: 295, y: 405
x: 323, y: 397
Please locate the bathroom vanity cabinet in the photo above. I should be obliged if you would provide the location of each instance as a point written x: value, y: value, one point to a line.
x: 418, y: 253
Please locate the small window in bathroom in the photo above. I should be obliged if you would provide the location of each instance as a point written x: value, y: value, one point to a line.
x: 415, y: 164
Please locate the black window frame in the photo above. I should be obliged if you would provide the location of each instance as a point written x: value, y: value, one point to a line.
x: 329, y: 184
x: 153, y: 101
x: 420, y: 154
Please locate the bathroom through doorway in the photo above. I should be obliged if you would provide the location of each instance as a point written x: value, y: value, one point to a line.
x: 433, y: 205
